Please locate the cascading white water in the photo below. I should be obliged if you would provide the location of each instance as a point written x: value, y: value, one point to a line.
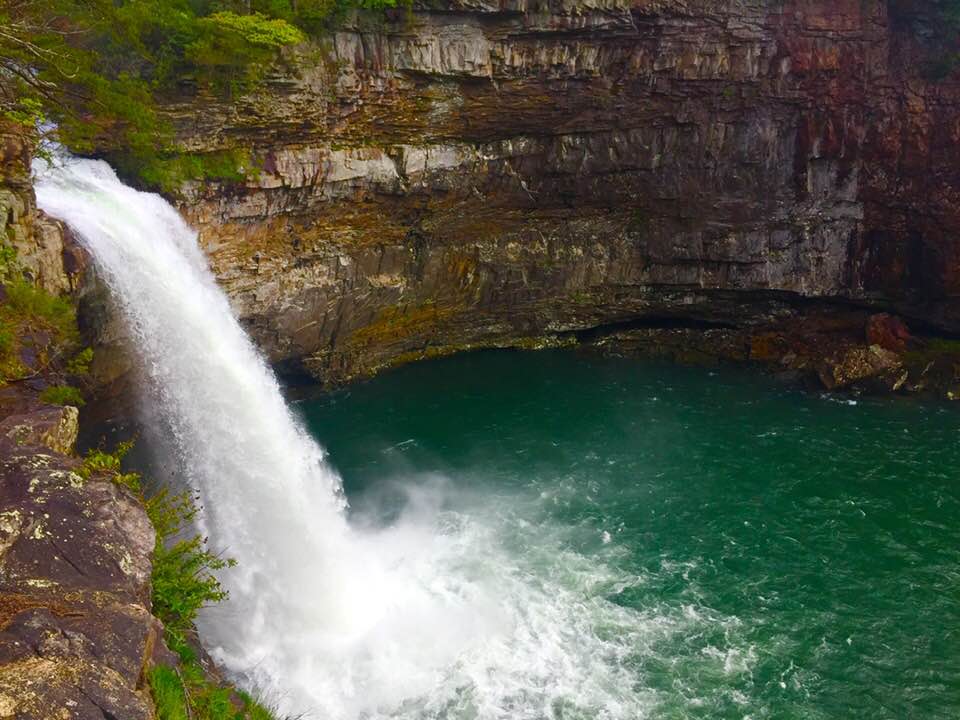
x: 431, y: 617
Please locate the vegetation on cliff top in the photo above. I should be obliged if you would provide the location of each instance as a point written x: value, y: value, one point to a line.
x: 96, y: 68
x: 38, y: 333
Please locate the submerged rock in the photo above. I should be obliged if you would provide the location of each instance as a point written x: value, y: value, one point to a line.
x: 822, y: 349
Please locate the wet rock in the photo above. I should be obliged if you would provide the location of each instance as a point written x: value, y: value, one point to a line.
x: 821, y: 347
x: 870, y: 367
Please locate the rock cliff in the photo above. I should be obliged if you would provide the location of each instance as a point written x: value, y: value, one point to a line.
x: 483, y: 172
x: 45, y: 251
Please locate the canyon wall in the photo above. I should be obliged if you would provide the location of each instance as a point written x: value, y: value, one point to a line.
x: 500, y: 172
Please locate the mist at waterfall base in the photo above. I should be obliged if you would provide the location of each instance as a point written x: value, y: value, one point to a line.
x: 541, y: 535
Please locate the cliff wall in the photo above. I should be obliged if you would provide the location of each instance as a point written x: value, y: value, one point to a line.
x: 45, y: 252
x: 504, y: 173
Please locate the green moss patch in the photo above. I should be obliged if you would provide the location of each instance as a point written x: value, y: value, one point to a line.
x: 62, y: 395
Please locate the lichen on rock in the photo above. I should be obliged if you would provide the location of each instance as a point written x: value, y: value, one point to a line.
x: 75, y: 625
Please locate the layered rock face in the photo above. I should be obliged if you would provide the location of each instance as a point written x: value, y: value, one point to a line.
x: 45, y: 251
x: 507, y: 173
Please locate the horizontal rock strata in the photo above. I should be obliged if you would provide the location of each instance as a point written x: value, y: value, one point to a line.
x: 497, y: 173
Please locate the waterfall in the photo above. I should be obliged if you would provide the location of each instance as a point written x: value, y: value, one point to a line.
x: 421, y: 619
x: 270, y: 500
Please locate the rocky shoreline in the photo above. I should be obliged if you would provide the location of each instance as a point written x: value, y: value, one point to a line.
x: 835, y: 350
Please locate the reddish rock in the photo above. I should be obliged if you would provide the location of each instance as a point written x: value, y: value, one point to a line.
x: 888, y: 331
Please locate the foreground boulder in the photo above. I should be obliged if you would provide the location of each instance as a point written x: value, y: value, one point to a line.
x: 75, y: 628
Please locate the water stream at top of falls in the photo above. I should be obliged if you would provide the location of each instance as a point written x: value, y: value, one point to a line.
x: 429, y: 616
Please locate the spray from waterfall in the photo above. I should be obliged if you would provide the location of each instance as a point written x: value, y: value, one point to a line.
x: 425, y: 618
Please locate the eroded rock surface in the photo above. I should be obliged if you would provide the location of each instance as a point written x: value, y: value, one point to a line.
x: 496, y: 173
x: 54, y: 427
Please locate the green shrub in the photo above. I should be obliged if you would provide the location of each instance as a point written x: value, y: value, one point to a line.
x: 188, y: 695
x: 6, y: 340
x: 93, y: 71
x: 25, y: 308
x: 210, y: 702
x: 98, y: 461
x: 26, y: 111
x: 253, y: 709
x: 10, y: 366
x: 182, y: 583
x: 183, y: 580
x: 168, y: 173
x: 256, y: 29
x: 36, y: 304
x: 168, y: 694
x: 8, y: 260
x: 79, y: 364
x: 62, y: 395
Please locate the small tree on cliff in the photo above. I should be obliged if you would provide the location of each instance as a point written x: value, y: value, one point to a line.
x: 95, y: 68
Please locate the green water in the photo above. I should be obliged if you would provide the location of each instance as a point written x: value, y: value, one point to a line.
x: 779, y: 554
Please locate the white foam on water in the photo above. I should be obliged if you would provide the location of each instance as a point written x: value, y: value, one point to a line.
x: 434, y: 616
